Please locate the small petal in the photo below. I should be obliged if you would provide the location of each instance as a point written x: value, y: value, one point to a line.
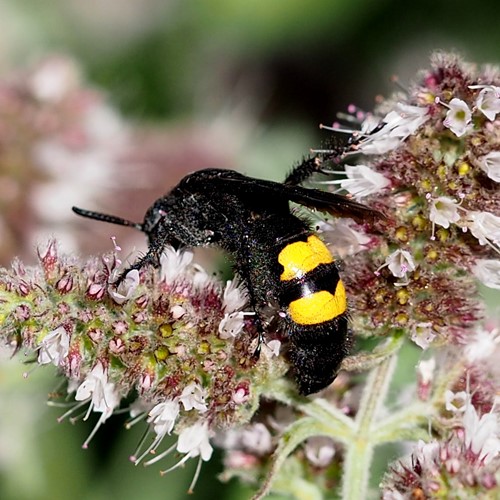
x: 231, y: 325
x: 174, y: 264
x: 458, y: 117
x: 257, y: 439
x: 490, y: 164
x: 482, y: 345
x: 346, y: 240
x: 444, y: 211
x: 54, y: 347
x: 400, y: 263
x: 126, y: 288
x: 456, y: 402
x: 163, y: 417
x: 481, y: 434
x: 363, y: 181
x: 273, y: 347
x: 406, y: 119
x: 194, y: 441
x: 488, y: 100
x: 319, y: 450
x: 423, y: 334
x: 484, y: 226
x: 426, y: 369
x: 103, y: 396
x: 193, y: 396
x: 234, y: 297
x: 488, y: 272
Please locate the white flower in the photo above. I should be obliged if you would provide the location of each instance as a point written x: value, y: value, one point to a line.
x: 174, y: 263
x: 54, y: 79
x: 177, y: 311
x: 378, y: 144
x: 163, y: 417
x: 363, y: 181
x: 400, y: 123
x: 426, y: 369
x: 481, y: 434
x: 234, y: 298
x: 488, y: 100
x: 126, y: 288
x: 482, y: 345
x: 231, y: 325
x: 347, y: 240
x: 405, y: 119
x: 272, y: 347
x: 400, y: 262
x: 456, y: 402
x: 490, y: 163
x: 458, y: 117
x: 194, y: 441
x: 426, y: 454
x: 423, y: 335
x: 138, y: 408
x: 200, y: 277
x: 257, y: 439
x: 54, y: 347
x: 319, y: 450
x: 444, y: 211
x: 103, y: 396
x: 484, y: 226
x: 488, y: 272
x: 193, y: 396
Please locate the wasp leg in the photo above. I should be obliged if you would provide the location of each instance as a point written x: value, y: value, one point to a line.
x: 243, y: 270
x: 152, y: 258
x: 314, y: 164
x: 302, y: 172
x: 260, y: 336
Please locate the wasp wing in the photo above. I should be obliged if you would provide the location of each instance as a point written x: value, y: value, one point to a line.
x: 262, y: 192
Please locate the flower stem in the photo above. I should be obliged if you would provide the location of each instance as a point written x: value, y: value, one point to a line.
x: 359, y: 452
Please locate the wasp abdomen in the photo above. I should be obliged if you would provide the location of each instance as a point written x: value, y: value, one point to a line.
x: 311, y: 288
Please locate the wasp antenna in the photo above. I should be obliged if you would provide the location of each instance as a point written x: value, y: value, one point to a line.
x: 112, y: 219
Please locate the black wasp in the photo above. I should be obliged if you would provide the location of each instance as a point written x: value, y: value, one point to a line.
x: 281, y: 261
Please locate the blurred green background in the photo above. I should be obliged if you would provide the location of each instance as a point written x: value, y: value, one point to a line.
x: 266, y: 72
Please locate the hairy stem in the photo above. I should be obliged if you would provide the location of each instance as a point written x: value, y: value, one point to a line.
x: 359, y: 451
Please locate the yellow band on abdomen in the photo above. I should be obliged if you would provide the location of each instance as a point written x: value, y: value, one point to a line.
x: 318, y: 307
x: 300, y: 257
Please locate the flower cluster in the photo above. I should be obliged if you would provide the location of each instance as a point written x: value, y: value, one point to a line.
x: 169, y: 337
x: 429, y: 164
x: 463, y: 454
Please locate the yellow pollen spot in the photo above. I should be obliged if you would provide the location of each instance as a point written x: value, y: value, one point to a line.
x: 401, y: 318
x: 463, y: 168
x: 403, y: 296
x: 426, y: 184
x: 203, y: 348
x: 166, y: 330
x: 418, y: 223
x: 431, y: 255
x: 428, y: 97
x: 442, y: 234
x: 301, y: 257
x: 318, y: 307
x: 441, y: 171
x: 401, y: 233
x: 161, y: 354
